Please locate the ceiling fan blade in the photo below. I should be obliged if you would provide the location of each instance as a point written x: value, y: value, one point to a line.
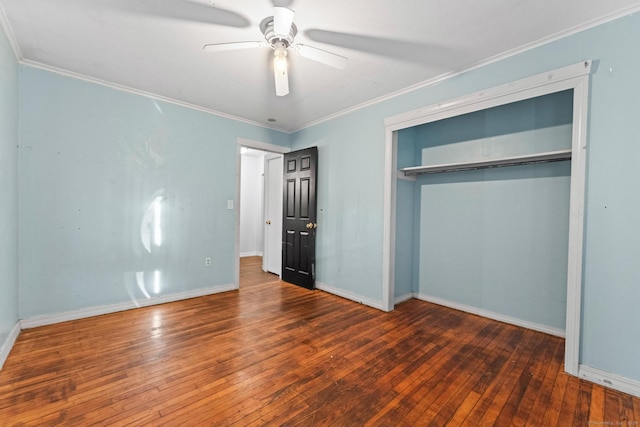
x: 282, y: 20
x: 221, y: 47
x: 322, y: 56
x: 282, y: 76
x: 185, y: 10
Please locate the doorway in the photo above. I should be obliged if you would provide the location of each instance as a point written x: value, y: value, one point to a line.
x: 259, y: 205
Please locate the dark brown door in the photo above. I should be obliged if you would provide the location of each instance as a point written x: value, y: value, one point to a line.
x: 299, y: 217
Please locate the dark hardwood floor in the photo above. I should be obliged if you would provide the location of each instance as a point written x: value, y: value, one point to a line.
x: 276, y: 354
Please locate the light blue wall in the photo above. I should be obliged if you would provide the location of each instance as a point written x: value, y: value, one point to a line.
x: 519, y: 128
x: 497, y: 239
x: 8, y: 189
x: 351, y: 184
x: 92, y: 162
x: 349, y: 239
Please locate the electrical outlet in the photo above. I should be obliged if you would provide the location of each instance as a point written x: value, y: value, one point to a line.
x: 207, y: 262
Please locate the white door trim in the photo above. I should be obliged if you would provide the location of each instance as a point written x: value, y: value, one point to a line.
x: 575, y: 77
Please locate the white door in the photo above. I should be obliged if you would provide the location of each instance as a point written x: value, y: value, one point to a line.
x: 272, y: 261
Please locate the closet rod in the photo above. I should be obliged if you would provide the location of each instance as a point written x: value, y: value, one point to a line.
x: 549, y: 156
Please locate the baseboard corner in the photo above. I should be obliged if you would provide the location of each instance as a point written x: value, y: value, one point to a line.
x: 609, y: 380
x: 8, y: 343
x: 348, y: 295
x: 404, y: 298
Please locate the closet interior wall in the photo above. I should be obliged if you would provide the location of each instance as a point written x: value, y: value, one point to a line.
x: 493, y: 239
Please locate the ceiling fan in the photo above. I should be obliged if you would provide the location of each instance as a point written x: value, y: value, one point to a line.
x: 279, y: 32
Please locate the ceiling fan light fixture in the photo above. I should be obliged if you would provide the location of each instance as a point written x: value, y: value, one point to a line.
x: 280, y: 71
x: 280, y: 60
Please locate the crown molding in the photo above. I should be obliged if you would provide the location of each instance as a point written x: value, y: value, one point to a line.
x: 504, y: 55
x: 123, y: 88
x: 4, y: 22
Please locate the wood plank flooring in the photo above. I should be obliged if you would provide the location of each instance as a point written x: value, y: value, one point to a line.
x: 276, y: 354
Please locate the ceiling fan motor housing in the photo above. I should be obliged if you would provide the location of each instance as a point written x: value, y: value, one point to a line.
x: 267, y: 28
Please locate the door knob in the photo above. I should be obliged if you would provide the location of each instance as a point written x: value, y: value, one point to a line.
x: 268, y: 222
x: 312, y: 225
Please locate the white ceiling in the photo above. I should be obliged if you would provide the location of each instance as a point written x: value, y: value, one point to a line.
x: 155, y: 46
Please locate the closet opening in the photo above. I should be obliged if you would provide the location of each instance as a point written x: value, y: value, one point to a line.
x: 484, y: 203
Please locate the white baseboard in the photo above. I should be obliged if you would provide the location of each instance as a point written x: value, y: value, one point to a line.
x: 610, y: 380
x: 8, y: 343
x: 349, y: 295
x: 49, y: 319
x: 246, y: 254
x: 403, y: 298
x: 492, y: 315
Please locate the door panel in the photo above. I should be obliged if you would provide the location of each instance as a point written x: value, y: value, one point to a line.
x: 304, y: 198
x: 299, y: 223
x: 273, y: 215
x: 290, y: 198
x: 289, y: 256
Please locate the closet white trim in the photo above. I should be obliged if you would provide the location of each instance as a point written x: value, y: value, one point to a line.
x: 574, y: 77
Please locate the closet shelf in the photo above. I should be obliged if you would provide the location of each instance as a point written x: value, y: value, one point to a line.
x: 549, y: 156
